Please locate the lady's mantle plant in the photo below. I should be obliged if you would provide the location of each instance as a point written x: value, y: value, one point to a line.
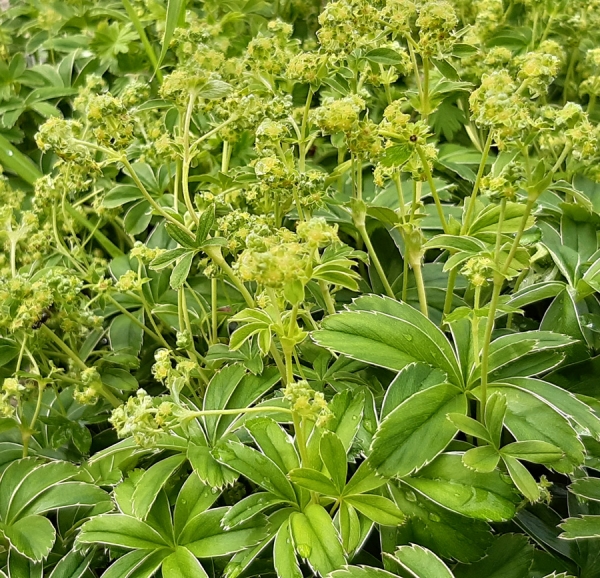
x: 299, y: 288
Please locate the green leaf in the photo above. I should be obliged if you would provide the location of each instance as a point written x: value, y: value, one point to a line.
x: 122, y: 531
x: 120, y: 195
x: 205, y: 537
x: 175, y: 16
x: 385, y: 56
x: 316, y: 539
x: 449, y: 483
x: 182, y: 564
x: 205, y: 223
x: 151, y: 482
x: 510, y: 556
x: 125, y: 335
x: 21, y: 567
x: 73, y: 565
x: 533, y: 451
x: 379, y: 509
x: 495, y: 410
x: 315, y: 481
x: 396, y: 156
x: 31, y: 536
x: 194, y: 498
x: 581, y: 528
x: 447, y: 533
x: 521, y: 477
x: 179, y: 235
x: 361, y: 572
x: 249, y: 507
x: 214, y: 89
x: 350, y: 527
x: 390, y: 334
x: 274, y: 442
x: 16, y: 162
x: 469, y: 426
x: 167, y: 258
x: 588, y: 488
x: 422, y: 563
x: 258, y: 468
x: 483, y: 459
x: 416, y: 431
x: 181, y: 271
x: 140, y: 563
x: 333, y: 455
x: 284, y: 556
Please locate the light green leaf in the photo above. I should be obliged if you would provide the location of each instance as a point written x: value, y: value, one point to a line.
x: 422, y: 563
x: 315, y: 481
x: 521, y: 477
x: 533, y: 451
x: 333, y: 455
x: 182, y: 564
x: 416, y: 431
x: 379, y: 509
x: 274, y: 442
x: 31, y: 536
x: 194, y: 498
x: 256, y: 467
x: 73, y: 565
x: 482, y: 459
x: 316, y: 539
x: 181, y: 270
x: 151, y: 482
x: 175, y: 15
x: 248, y: 507
x: 361, y: 572
x: 122, y: 531
x: 469, y: 426
x: 284, y: 556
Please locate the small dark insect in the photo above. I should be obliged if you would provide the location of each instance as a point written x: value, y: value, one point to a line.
x: 43, y: 318
x: 413, y: 138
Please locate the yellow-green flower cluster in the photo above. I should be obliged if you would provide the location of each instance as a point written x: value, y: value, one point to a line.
x: 307, y: 402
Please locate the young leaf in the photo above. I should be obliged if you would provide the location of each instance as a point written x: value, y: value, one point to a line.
x: 205, y: 223
x: 483, y: 459
x: 537, y: 452
x: 284, y: 556
x: 521, y: 477
x: 181, y: 270
x: 379, y: 509
x: 175, y: 14
x: 274, y: 442
x: 333, y: 455
x: 248, y: 507
x: 316, y: 539
x: 182, y: 564
x: 314, y: 481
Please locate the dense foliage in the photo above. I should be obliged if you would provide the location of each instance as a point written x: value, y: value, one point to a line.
x: 295, y: 287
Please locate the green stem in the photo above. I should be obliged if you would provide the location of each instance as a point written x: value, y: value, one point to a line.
x: 213, y: 306
x: 450, y: 291
x: 375, y: 260
x: 329, y: 301
x: 469, y: 214
x: 416, y: 267
x: 302, y: 144
x: 185, y: 171
x: 29, y: 431
x: 215, y: 254
x: 433, y: 188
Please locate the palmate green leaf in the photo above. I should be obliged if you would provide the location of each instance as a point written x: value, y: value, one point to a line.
x: 182, y: 564
x: 584, y: 527
x: 510, y: 556
x: 488, y: 219
x: 333, y: 455
x: 422, y: 563
x: 316, y: 539
x: 449, y: 483
x: 31, y: 536
x: 416, y: 431
x: 389, y: 334
x: 208, y: 469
